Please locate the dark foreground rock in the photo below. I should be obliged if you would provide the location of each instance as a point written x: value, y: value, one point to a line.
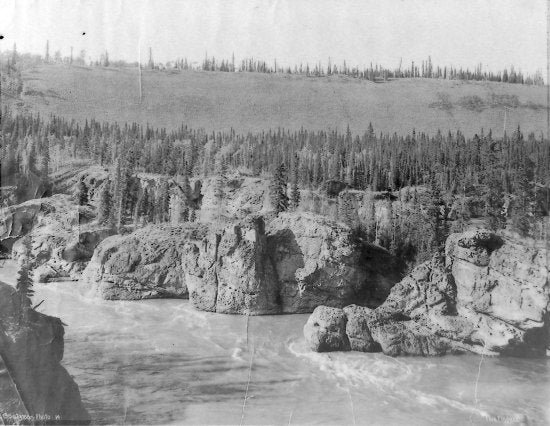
x: 32, y: 351
x: 491, y: 295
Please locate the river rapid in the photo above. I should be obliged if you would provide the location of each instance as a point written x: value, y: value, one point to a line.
x: 163, y: 362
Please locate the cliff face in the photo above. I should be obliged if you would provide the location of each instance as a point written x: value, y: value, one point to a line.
x: 229, y: 271
x: 318, y: 262
x: 503, y: 284
x: 492, y: 295
x: 32, y: 351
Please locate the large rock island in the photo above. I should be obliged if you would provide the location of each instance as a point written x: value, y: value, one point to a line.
x: 288, y: 264
x: 489, y: 294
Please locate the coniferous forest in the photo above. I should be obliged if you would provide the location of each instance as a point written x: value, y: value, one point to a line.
x: 434, y: 184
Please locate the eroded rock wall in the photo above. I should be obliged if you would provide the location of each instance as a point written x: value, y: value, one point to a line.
x: 145, y: 264
x: 491, y: 294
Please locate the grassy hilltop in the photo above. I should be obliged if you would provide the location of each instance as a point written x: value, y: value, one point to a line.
x: 256, y: 102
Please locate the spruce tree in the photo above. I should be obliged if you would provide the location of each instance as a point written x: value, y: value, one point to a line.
x: 45, y: 163
x: 371, y: 218
x: 294, y: 190
x: 220, y: 180
x: 494, y: 193
x: 105, y: 212
x: 31, y: 158
x: 163, y: 203
x: 81, y: 194
x: 437, y: 237
x: 186, y: 196
x: 278, y: 195
x: 522, y: 209
x: 294, y: 196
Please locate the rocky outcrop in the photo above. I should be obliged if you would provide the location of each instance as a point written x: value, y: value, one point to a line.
x: 326, y: 330
x: 230, y: 271
x: 18, y: 220
x: 145, y: 264
x: 32, y: 350
x: 293, y: 264
x: 242, y: 196
x: 491, y: 295
x: 63, y: 235
x: 503, y: 285
x: 318, y: 262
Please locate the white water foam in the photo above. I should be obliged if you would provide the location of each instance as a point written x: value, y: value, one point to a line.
x: 381, y: 373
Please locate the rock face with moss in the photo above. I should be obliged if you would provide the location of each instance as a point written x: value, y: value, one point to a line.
x: 490, y: 294
x: 32, y: 349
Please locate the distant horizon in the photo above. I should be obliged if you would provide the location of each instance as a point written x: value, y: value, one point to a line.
x: 497, y: 34
x: 89, y: 61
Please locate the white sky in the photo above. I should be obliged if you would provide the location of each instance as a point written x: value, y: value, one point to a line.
x: 496, y: 33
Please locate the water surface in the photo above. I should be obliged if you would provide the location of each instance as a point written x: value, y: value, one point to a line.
x: 161, y: 361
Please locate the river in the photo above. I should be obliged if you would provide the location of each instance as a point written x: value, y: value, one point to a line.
x: 163, y: 362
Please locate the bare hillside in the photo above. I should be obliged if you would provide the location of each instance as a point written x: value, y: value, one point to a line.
x: 252, y: 102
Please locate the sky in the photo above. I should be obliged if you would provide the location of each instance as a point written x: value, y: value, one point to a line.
x: 495, y: 33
